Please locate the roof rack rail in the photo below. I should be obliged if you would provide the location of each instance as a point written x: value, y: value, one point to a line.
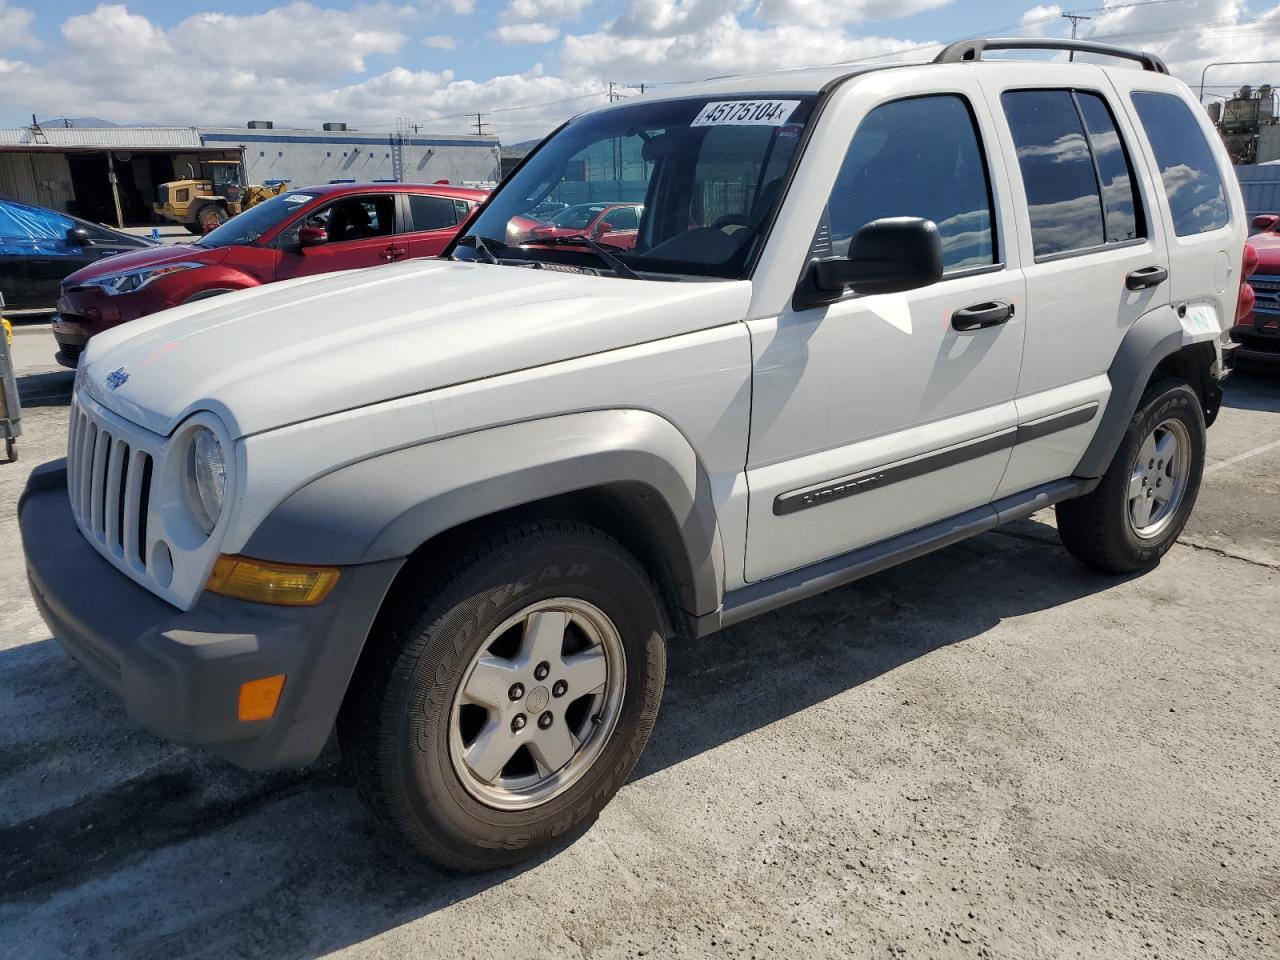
x: 967, y: 50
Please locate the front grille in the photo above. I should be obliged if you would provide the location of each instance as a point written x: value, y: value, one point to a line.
x: 1266, y: 291
x: 109, y: 477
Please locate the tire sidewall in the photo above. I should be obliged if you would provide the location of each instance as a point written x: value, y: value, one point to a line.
x: 1177, y: 402
x: 435, y: 799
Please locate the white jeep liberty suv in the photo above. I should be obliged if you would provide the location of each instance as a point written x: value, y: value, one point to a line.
x: 455, y: 508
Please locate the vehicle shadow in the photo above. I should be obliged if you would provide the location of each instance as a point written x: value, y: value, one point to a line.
x: 1252, y: 389
x: 217, y: 861
x: 46, y: 389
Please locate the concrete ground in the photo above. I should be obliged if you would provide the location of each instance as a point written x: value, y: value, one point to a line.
x: 990, y: 752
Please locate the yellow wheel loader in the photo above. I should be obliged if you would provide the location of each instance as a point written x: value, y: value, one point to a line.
x: 218, y: 194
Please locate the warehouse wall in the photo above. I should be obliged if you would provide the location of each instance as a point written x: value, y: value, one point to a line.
x: 43, y: 179
x: 311, y: 157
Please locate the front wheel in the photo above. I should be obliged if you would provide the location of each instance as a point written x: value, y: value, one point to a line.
x: 501, y: 705
x: 209, y: 216
x: 1144, y: 499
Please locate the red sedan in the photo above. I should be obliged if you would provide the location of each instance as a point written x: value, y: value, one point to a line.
x: 316, y: 230
x: 615, y: 224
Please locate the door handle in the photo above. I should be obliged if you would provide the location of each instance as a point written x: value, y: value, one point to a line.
x: 982, y: 315
x: 1146, y: 277
x: 388, y: 253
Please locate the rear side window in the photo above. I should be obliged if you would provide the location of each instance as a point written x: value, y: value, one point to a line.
x: 1187, y: 168
x: 1120, y: 203
x: 1075, y: 170
x: 917, y: 158
x: 432, y: 213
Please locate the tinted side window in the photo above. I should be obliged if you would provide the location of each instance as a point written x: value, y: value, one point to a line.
x: 917, y: 158
x: 361, y: 218
x: 1119, y: 197
x: 1187, y: 168
x: 622, y: 218
x: 1057, y: 170
x: 432, y: 213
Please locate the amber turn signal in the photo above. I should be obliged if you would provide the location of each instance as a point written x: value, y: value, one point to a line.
x: 285, y: 584
x: 258, y: 698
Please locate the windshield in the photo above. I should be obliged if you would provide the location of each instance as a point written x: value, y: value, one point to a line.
x: 703, y: 176
x: 247, y: 227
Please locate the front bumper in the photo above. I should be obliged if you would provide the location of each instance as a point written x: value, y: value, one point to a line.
x: 86, y: 311
x: 1257, y: 339
x: 179, y: 673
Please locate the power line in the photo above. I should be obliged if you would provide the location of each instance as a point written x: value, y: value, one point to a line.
x: 1075, y: 19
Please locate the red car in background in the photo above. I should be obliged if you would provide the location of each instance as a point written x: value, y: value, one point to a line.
x: 1257, y: 330
x: 615, y: 224
x: 316, y: 230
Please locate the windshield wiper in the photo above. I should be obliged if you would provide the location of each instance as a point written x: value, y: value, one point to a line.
x: 599, y: 249
x: 481, y: 245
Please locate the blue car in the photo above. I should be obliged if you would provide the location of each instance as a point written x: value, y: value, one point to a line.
x: 38, y: 247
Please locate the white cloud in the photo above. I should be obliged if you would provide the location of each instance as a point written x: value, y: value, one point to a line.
x: 15, y: 28
x: 818, y: 13
x: 662, y: 18
x: 511, y: 34
x: 462, y: 7
x: 1038, y: 20
x: 726, y: 46
x: 544, y: 10
x: 440, y: 41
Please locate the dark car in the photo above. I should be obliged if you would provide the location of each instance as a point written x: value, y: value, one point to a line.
x: 38, y: 247
x: 317, y: 230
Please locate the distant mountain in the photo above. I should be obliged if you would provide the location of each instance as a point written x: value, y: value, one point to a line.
x: 77, y: 122
x: 519, y: 149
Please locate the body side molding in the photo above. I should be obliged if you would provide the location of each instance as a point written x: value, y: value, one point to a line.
x: 878, y: 477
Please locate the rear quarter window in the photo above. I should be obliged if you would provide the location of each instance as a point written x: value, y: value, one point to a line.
x: 1192, y: 181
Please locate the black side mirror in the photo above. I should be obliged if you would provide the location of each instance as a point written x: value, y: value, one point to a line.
x: 885, y: 256
x: 77, y: 236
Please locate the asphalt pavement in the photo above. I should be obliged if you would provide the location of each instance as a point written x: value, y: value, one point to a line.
x: 989, y: 752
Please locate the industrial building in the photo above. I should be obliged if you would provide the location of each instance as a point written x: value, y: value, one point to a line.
x: 110, y: 174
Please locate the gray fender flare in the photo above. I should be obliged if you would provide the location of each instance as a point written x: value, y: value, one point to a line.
x: 388, y: 505
x: 1152, y: 337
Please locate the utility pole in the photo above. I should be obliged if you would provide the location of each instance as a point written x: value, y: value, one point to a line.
x: 612, y: 96
x: 479, y: 125
x: 637, y: 86
x: 1075, y: 18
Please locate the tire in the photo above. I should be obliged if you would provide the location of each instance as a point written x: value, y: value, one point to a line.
x: 403, y: 728
x: 1104, y: 528
x: 194, y: 228
x: 210, y: 213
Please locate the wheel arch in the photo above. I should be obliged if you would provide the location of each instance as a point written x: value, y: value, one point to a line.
x: 630, y: 473
x: 1153, y: 348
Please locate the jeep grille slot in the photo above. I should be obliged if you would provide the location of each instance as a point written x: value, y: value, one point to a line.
x: 109, y: 485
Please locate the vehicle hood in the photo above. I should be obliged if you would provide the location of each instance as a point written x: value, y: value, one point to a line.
x: 148, y: 257
x: 288, y: 352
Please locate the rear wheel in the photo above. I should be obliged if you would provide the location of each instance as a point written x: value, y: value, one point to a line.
x: 502, y: 704
x: 1144, y: 499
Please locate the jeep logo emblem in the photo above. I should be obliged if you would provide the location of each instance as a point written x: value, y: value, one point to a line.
x: 117, y: 378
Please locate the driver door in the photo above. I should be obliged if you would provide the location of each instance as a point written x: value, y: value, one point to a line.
x: 876, y: 415
x: 361, y: 233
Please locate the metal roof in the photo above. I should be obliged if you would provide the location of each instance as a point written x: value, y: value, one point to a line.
x: 113, y: 138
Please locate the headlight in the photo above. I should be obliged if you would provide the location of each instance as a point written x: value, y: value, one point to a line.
x: 132, y: 280
x: 205, y: 478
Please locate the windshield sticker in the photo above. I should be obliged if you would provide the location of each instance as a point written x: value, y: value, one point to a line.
x: 297, y: 198
x: 745, y: 113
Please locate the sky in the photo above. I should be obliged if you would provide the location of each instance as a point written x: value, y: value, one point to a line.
x: 525, y: 64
